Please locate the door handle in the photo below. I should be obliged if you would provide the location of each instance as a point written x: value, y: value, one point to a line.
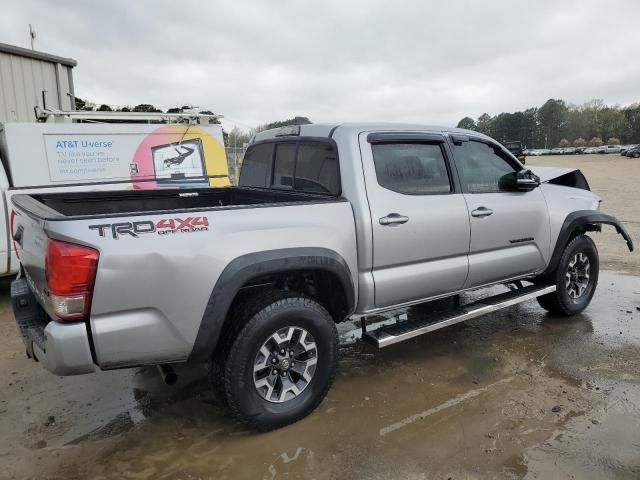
x: 481, y: 212
x: 393, y: 219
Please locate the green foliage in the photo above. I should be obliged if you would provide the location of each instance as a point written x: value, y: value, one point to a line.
x: 613, y: 141
x: 547, y: 126
x: 81, y: 104
x: 146, y: 108
x: 237, y: 137
x: 553, y: 117
x: 564, y: 143
x: 467, y: 123
x: 579, y: 142
x: 595, y: 142
x: 485, y: 124
x: 284, y: 123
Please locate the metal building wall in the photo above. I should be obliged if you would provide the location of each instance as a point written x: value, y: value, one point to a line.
x: 23, y: 77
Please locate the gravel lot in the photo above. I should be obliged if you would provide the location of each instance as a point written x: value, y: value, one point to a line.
x: 615, y: 178
x: 519, y: 394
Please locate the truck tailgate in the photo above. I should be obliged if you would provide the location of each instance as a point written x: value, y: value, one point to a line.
x: 30, y: 242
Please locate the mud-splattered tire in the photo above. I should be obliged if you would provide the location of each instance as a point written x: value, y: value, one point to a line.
x: 576, y: 278
x: 265, y: 395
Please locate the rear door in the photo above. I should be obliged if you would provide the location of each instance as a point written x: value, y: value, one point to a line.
x: 509, y: 229
x: 419, y: 217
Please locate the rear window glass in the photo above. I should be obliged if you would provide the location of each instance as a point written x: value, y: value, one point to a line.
x: 411, y: 168
x: 283, y: 165
x: 305, y: 166
x: 256, y: 166
x: 317, y: 169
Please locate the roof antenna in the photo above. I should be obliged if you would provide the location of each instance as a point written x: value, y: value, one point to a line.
x: 32, y: 35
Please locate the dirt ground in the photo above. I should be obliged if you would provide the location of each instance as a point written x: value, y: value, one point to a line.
x: 615, y: 179
x: 517, y: 394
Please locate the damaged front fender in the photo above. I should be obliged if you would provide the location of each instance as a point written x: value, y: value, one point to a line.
x: 583, y: 221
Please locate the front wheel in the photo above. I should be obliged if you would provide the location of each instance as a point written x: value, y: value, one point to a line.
x: 576, y: 277
x: 282, y: 363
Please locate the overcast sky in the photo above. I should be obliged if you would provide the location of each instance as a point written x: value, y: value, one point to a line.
x: 259, y: 61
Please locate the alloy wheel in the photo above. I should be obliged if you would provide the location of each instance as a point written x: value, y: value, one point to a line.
x: 285, y: 364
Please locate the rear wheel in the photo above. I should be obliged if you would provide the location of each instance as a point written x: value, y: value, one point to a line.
x: 281, y: 363
x: 575, y: 278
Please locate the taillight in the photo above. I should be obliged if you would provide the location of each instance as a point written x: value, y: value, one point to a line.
x: 70, y: 271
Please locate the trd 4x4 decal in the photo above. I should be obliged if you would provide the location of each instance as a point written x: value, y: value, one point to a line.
x: 166, y: 226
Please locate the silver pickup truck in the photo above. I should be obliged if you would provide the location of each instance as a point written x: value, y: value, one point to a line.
x: 328, y: 223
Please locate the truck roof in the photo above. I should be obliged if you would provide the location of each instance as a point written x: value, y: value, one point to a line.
x: 328, y: 129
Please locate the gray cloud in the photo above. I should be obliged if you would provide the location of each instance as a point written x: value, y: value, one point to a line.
x: 340, y: 60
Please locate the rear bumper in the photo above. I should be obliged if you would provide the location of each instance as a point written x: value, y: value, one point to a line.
x: 63, y: 348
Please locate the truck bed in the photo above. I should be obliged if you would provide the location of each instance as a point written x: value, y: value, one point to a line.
x: 59, y: 206
x: 154, y: 283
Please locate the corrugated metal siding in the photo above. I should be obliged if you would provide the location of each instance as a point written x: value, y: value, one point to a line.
x: 22, y: 81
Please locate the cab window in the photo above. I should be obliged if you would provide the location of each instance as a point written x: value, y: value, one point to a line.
x: 482, y: 166
x: 411, y: 168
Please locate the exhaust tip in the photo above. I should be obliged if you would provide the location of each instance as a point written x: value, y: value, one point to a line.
x: 169, y: 376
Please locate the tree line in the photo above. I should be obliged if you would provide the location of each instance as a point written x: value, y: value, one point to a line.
x: 85, y: 106
x: 235, y: 138
x: 558, y: 124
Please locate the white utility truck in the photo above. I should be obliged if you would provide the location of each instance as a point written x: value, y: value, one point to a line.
x: 107, y: 151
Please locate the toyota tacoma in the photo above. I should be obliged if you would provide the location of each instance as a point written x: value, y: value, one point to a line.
x: 327, y: 223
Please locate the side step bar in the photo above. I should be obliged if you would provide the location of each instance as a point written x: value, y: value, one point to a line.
x: 390, y: 334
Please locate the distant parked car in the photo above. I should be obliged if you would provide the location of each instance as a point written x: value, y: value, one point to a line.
x: 634, y: 152
x: 568, y: 151
x: 626, y: 148
x: 556, y: 151
x: 609, y: 149
x: 580, y: 150
x: 590, y: 150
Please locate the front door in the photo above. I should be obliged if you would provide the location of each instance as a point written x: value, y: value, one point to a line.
x: 419, y: 218
x: 509, y: 229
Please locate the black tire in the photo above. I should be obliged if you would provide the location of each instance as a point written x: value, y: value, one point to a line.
x: 636, y: 155
x: 562, y: 301
x: 273, y: 314
x: 239, y: 316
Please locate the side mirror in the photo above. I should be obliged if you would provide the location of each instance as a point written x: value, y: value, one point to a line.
x: 526, y: 180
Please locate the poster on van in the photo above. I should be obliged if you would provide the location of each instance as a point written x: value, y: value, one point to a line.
x: 147, y: 156
x: 179, y: 162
